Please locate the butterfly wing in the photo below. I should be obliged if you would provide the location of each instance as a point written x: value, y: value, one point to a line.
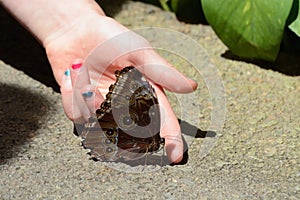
x: 128, y: 121
x: 95, y: 138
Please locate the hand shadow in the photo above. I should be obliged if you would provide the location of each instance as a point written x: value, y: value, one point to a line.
x: 21, y: 110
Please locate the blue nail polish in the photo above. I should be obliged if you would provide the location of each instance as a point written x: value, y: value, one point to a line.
x: 87, y: 94
x: 67, y: 72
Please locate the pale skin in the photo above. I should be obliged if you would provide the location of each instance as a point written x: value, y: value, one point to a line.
x: 69, y: 31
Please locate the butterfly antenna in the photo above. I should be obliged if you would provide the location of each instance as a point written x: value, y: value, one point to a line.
x: 163, y: 152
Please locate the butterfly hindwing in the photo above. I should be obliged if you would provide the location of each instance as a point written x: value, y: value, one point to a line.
x: 95, y: 138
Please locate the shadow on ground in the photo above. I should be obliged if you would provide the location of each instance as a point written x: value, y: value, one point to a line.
x: 285, y: 63
x: 18, y: 120
x: 193, y: 131
x: 111, y: 8
x: 20, y: 50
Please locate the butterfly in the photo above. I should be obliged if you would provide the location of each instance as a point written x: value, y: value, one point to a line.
x: 127, y: 124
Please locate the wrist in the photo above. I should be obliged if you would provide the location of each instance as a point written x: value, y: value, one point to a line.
x: 44, y: 18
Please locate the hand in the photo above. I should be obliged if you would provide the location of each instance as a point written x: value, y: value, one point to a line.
x: 100, y: 41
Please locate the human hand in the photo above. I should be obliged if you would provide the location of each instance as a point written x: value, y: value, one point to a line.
x: 69, y: 31
x: 106, y: 46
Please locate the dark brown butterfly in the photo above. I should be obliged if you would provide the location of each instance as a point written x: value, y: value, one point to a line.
x: 127, y: 124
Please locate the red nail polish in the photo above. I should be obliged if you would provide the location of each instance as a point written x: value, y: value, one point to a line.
x: 76, y: 66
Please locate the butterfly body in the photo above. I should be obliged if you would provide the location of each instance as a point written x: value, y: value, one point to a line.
x: 127, y: 124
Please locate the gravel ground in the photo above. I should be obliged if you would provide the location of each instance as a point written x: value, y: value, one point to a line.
x: 256, y: 153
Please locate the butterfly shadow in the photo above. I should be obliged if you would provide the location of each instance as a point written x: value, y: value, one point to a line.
x: 192, y: 131
x: 162, y: 160
x: 20, y: 111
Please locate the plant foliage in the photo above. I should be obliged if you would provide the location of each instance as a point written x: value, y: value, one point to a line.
x: 252, y: 29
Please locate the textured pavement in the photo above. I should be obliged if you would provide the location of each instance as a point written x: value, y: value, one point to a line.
x: 255, y: 155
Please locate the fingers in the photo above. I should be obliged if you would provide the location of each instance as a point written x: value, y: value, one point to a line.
x: 80, y: 98
x: 67, y: 96
x: 92, y: 98
x: 170, y: 129
x: 162, y: 73
x: 80, y: 79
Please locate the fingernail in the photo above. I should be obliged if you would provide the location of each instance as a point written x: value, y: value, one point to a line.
x: 194, y: 83
x: 76, y: 66
x: 87, y: 95
x: 67, y: 72
x: 66, y: 80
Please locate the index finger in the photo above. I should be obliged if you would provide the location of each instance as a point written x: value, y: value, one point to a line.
x: 159, y: 71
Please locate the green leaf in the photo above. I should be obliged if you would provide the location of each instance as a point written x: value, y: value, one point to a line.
x: 295, y: 25
x: 250, y: 28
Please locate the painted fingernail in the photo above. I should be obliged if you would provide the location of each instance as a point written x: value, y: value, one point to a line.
x: 66, y: 81
x: 76, y: 66
x: 67, y: 72
x: 87, y: 95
